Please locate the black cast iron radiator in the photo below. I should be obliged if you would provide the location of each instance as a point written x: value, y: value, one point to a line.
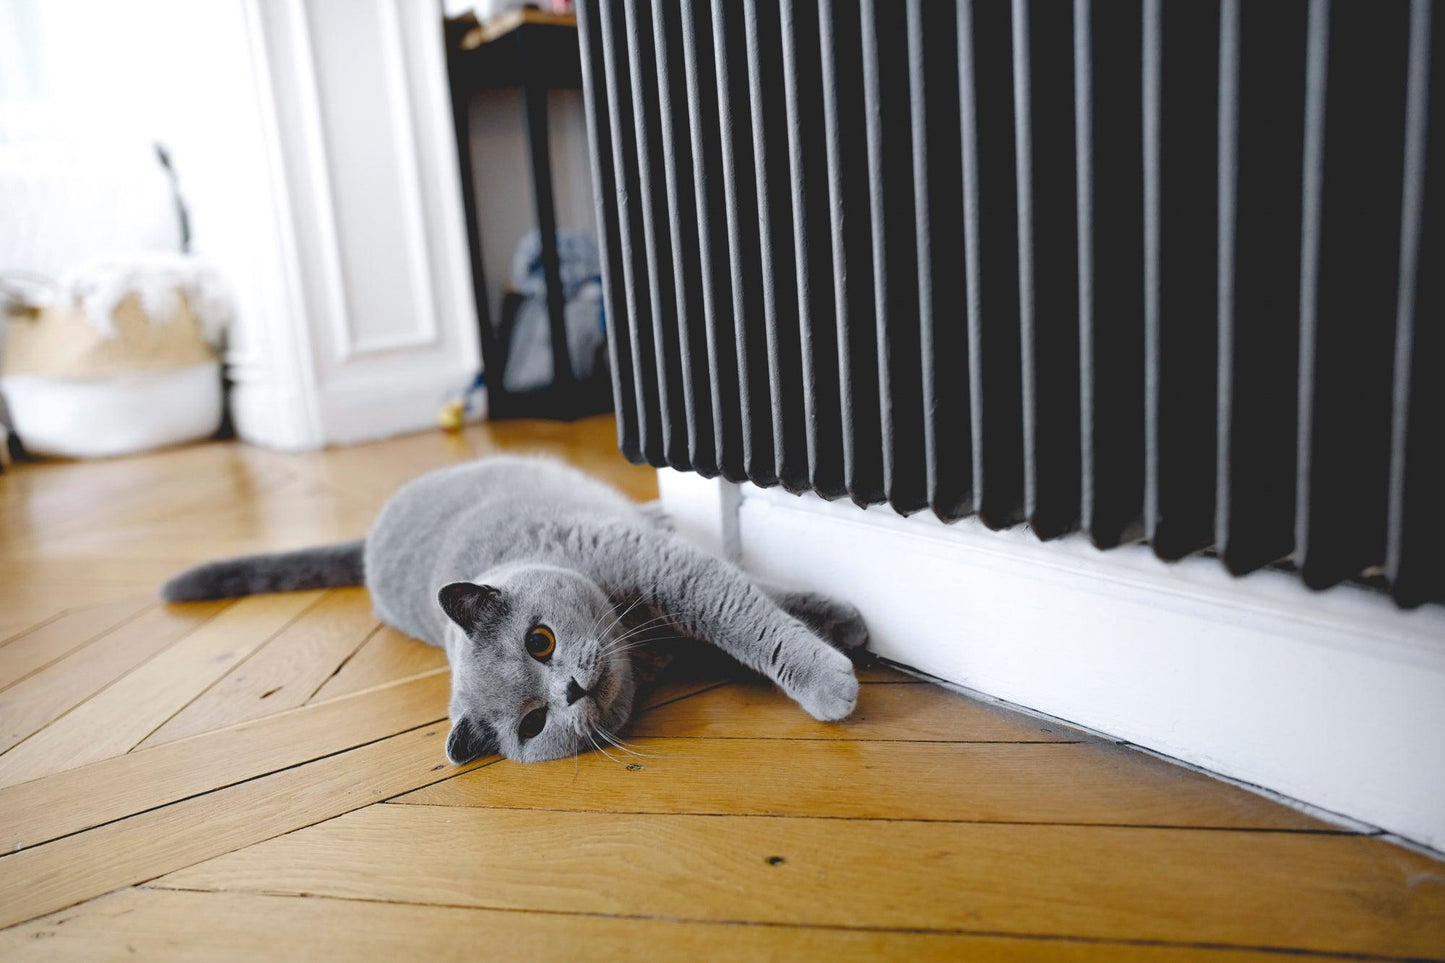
x: 1161, y: 271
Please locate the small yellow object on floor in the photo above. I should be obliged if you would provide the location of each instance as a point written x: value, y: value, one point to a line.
x: 452, y: 416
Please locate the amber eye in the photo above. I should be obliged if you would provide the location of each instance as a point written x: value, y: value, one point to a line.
x: 532, y: 723
x: 540, y: 642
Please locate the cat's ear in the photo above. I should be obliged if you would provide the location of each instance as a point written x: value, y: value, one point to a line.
x: 470, y: 738
x: 469, y: 604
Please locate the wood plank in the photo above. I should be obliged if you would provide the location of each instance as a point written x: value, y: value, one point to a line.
x: 1348, y: 894
x: 123, y: 714
x: 41, y: 698
x: 163, y: 924
x: 385, y: 657
x: 54, y: 640
x: 34, y: 882
x: 17, y: 617
x: 665, y: 693
x: 44, y: 809
x: 53, y: 499
x: 922, y: 713
x: 155, y: 515
x: 285, y: 672
x: 989, y: 782
x: 62, y: 578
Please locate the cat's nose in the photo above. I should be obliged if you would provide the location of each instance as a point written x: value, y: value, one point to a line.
x: 574, y: 691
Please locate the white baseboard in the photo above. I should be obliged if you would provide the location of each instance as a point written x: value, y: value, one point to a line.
x: 281, y: 417
x: 276, y: 415
x: 1336, y: 699
x: 383, y: 407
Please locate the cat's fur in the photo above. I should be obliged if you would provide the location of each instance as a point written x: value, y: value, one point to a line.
x: 471, y: 558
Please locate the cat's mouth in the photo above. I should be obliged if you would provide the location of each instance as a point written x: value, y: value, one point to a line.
x: 604, y: 690
x: 600, y: 708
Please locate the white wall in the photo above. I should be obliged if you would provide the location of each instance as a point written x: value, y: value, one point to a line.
x: 501, y: 167
x: 136, y: 69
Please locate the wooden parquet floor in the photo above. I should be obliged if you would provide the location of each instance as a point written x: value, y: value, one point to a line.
x: 264, y: 778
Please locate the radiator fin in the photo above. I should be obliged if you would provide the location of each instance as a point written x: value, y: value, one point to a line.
x: 656, y: 232
x: 990, y: 216
x: 1108, y: 69
x: 691, y: 359
x: 1181, y: 255
x: 1049, y: 217
x: 634, y: 305
x: 1262, y: 111
x: 604, y: 193
x: 772, y: 170
x: 812, y: 254
x: 1358, y: 57
x: 840, y: 37
x: 894, y: 253
x: 942, y: 286
x: 1415, y: 564
x: 712, y: 238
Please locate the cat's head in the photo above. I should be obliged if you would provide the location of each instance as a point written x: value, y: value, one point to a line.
x: 536, y: 669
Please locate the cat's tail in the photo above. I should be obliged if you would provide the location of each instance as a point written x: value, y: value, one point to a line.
x: 325, y: 566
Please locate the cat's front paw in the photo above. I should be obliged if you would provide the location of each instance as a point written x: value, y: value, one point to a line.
x: 844, y: 626
x: 837, y: 622
x: 829, y: 691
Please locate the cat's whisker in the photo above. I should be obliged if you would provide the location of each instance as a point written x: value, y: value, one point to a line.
x: 650, y: 623
x: 658, y: 638
x: 608, y: 738
x: 609, y: 755
x: 659, y: 617
x: 629, y: 648
x: 642, y: 631
x: 612, y: 610
x: 641, y: 643
x: 622, y: 746
x: 646, y: 755
x: 622, y: 615
x: 613, y: 647
x: 651, y: 755
x: 624, y: 650
x: 592, y: 629
x: 601, y: 633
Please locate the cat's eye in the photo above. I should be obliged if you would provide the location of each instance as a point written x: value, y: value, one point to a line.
x: 532, y: 723
x: 540, y: 642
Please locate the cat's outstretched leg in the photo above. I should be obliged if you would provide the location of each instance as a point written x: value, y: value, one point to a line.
x: 836, y: 621
x: 710, y: 600
x: 839, y: 623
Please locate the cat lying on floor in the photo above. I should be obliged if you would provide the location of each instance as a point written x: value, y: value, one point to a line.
x: 531, y: 576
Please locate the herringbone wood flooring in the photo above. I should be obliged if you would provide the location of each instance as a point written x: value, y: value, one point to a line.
x: 264, y: 778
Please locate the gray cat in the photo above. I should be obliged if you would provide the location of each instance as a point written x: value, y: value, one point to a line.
x: 524, y: 571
